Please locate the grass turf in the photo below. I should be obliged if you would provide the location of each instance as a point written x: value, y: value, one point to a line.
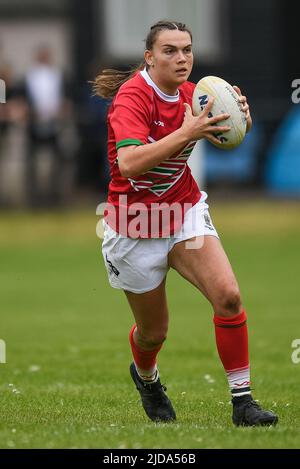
x: 66, y: 382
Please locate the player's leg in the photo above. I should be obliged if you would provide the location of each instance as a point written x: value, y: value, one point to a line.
x: 150, y: 311
x: 151, y: 315
x: 139, y: 267
x: 209, y: 269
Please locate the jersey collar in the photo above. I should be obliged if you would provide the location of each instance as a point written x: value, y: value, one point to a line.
x: 161, y: 94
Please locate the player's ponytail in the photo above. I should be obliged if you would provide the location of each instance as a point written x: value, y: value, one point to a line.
x: 108, y: 82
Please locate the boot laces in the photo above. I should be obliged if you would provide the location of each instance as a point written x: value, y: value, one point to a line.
x: 254, y: 404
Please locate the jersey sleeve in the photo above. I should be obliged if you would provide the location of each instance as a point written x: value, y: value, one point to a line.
x: 130, y: 118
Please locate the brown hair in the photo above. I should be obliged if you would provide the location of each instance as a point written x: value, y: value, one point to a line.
x: 108, y: 82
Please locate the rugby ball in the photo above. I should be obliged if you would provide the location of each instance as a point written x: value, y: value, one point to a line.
x: 226, y: 101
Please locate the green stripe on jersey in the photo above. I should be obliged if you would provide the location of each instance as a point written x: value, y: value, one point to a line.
x: 160, y: 186
x: 187, y: 152
x: 127, y: 142
x: 164, y: 170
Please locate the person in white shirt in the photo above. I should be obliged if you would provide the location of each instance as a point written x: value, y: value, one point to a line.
x: 46, y: 98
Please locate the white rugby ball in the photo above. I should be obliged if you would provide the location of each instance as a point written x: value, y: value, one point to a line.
x: 226, y: 101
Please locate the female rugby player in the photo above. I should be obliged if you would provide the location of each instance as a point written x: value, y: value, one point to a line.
x: 157, y: 218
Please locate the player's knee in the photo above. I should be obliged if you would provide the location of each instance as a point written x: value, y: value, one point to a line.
x: 151, y: 340
x: 229, y: 303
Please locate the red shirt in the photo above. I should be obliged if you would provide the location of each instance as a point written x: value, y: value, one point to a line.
x: 141, y: 114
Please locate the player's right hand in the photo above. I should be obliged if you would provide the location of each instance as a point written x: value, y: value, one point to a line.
x: 203, y: 126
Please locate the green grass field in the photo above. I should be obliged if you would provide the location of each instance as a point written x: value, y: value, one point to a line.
x: 66, y: 382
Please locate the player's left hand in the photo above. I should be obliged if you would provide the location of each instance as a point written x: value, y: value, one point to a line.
x: 245, y: 107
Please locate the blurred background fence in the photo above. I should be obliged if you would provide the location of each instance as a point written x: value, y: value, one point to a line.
x: 52, y: 130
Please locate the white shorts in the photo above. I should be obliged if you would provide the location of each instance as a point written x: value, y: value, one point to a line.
x: 140, y: 265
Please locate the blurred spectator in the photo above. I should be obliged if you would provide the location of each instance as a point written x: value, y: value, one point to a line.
x: 92, y: 162
x: 6, y: 76
x: 48, y: 100
x: 12, y: 113
x: 13, y: 110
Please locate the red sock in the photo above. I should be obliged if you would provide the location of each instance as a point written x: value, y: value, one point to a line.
x: 232, y: 341
x: 144, y: 359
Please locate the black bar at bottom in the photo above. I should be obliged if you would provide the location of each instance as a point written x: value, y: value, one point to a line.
x: 135, y: 458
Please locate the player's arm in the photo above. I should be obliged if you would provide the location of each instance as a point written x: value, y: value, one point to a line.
x: 137, y: 160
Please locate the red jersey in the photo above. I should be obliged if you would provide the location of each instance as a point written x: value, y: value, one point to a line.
x: 141, y: 114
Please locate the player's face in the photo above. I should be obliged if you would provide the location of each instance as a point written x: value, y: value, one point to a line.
x: 170, y: 60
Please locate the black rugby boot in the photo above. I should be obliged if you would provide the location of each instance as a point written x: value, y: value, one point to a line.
x: 247, y: 413
x: 156, y: 404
